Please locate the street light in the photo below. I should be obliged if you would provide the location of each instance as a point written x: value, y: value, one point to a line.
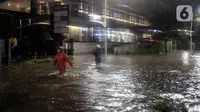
x: 105, y: 25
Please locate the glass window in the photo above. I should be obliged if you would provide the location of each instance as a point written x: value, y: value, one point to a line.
x: 115, y: 14
x: 85, y: 7
x: 133, y: 18
x: 130, y: 18
x: 119, y: 15
x: 111, y: 13
x: 126, y: 17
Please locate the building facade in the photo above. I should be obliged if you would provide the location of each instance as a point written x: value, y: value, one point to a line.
x: 86, y: 18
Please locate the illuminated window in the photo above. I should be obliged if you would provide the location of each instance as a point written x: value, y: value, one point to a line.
x: 119, y: 15
x: 115, y: 14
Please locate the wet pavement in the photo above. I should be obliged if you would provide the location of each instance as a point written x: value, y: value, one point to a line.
x: 120, y: 84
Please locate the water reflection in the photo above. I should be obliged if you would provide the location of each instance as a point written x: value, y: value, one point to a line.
x: 185, y: 57
x: 123, y: 83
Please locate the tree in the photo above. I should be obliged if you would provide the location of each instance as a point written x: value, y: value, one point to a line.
x: 36, y: 36
x: 7, y: 25
x: 164, y: 19
x: 38, y: 32
x: 197, y: 27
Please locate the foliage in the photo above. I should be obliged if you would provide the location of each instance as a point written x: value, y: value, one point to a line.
x: 7, y: 25
x: 172, y: 34
x: 164, y: 19
x: 197, y: 29
x: 169, y: 106
x: 150, y: 48
x: 158, y: 36
x: 38, y: 32
x: 38, y: 61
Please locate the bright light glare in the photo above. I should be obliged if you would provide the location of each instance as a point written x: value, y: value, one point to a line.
x: 187, y: 31
x: 198, y: 10
x: 126, y: 21
x: 185, y: 58
x: 97, y: 22
x: 63, y: 3
x: 94, y: 17
x: 41, y: 1
x: 9, y: 4
x: 74, y: 27
x: 198, y: 20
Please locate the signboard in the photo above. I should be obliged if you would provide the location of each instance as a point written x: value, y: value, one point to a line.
x: 61, y: 18
x: 184, y: 13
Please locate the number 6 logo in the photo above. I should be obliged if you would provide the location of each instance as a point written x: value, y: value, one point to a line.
x: 184, y: 13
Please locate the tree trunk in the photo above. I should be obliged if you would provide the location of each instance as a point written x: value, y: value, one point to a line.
x: 166, y: 46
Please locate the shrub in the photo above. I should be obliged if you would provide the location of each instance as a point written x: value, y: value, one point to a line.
x: 169, y: 106
x: 38, y: 61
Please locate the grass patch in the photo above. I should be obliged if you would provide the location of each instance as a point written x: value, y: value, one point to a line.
x: 38, y: 61
x: 169, y: 106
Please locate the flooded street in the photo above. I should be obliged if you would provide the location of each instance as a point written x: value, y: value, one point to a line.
x: 120, y: 84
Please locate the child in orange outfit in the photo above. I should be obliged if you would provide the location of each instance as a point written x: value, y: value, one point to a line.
x: 60, y: 59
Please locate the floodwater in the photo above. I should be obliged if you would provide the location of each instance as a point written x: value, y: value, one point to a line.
x: 120, y: 84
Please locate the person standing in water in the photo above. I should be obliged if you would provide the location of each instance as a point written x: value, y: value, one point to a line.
x: 97, y: 53
x: 61, y: 59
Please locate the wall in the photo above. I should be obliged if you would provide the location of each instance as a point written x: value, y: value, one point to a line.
x: 87, y: 47
x: 80, y: 48
x: 126, y: 49
x: 2, y: 50
x: 75, y: 32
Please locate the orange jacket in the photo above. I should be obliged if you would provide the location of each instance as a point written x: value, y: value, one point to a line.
x: 61, y: 60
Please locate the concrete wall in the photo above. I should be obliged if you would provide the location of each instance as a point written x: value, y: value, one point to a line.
x: 2, y: 50
x: 87, y: 47
x: 126, y: 49
x: 80, y: 48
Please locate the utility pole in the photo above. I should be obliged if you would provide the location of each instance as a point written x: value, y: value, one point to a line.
x: 105, y: 26
x: 191, y: 27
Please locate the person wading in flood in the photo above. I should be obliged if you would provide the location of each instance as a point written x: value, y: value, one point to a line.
x: 61, y: 59
x: 97, y: 53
